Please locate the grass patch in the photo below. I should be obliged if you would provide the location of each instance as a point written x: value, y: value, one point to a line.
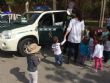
x: 93, y: 23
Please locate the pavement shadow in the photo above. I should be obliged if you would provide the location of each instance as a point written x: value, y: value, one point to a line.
x: 48, y: 61
x: 61, y: 75
x: 19, y: 75
x: 46, y: 51
x: 99, y: 77
x: 8, y: 54
x: 4, y: 54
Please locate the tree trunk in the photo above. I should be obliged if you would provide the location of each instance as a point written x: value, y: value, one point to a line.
x: 100, y: 21
x: 54, y: 4
x: 27, y: 6
x: 102, y: 14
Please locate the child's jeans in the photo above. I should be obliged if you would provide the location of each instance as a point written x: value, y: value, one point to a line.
x: 58, y: 59
x: 82, y: 59
x: 91, y: 51
x: 97, y: 62
x: 73, y: 50
x: 33, y: 77
x: 106, y: 56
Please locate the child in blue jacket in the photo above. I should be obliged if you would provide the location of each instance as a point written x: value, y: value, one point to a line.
x: 84, y: 50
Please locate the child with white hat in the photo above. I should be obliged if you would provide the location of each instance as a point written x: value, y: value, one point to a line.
x: 33, y: 61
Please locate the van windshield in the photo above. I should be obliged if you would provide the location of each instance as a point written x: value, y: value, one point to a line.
x: 4, y: 19
x: 27, y: 18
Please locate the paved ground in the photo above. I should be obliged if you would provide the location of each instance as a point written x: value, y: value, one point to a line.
x: 13, y: 70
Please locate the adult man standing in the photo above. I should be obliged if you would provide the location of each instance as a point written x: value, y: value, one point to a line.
x: 74, y: 32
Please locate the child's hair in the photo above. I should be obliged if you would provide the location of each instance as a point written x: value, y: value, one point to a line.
x: 77, y: 13
x: 85, y: 40
x: 91, y: 32
x: 100, y: 41
x: 109, y: 37
x: 98, y: 32
x: 55, y: 39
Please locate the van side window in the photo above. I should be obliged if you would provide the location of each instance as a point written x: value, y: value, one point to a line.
x: 60, y: 18
x: 46, y: 20
x: 4, y: 19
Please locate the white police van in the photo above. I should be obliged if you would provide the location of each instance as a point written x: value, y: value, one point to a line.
x: 32, y: 26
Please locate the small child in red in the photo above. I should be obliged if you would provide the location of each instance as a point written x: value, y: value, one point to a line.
x: 98, y: 55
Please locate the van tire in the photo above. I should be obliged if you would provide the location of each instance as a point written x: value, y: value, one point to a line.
x: 22, y: 45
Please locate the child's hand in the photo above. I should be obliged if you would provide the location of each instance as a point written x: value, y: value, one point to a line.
x: 92, y: 57
x: 52, y: 50
x: 39, y: 59
x: 63, y: 41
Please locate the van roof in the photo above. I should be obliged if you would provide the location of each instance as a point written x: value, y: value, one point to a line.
x: 46, y: 11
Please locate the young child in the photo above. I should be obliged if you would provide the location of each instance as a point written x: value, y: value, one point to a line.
x: 91, y: 46
x: 84, y: 50
x: 108, y: 23
x: 93, y: 39
x: 105, y: 34
x: 32, y: 62
x: 98, y: 54
x: 107, y: 49
x: 57, y: 50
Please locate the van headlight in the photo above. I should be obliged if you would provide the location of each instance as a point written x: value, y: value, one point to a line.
x: 6, y: 34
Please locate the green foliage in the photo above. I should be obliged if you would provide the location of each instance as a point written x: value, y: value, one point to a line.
x: 9, y: 1
x: 86, y: 8
x: 91, y: 23
x: 19, y: 1
x: 2, y: 2
x: 38, y: 1
x: 91, y: 9
x: 108, y: 6
x: 95, y: 13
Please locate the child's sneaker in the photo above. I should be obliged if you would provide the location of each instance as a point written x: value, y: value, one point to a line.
x: 93, y: 66
x: 107, y: 66
x: 95, y: 70
x: 101, y: 69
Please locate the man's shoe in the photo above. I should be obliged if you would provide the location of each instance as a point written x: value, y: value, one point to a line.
x: 67, y: 62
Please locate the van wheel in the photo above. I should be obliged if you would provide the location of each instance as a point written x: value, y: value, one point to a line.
x: 23, y: 44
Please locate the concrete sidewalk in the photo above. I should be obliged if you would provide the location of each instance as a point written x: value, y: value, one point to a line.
x: 13, y: 69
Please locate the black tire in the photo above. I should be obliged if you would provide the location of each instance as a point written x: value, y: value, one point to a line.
x: 22, y: 45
